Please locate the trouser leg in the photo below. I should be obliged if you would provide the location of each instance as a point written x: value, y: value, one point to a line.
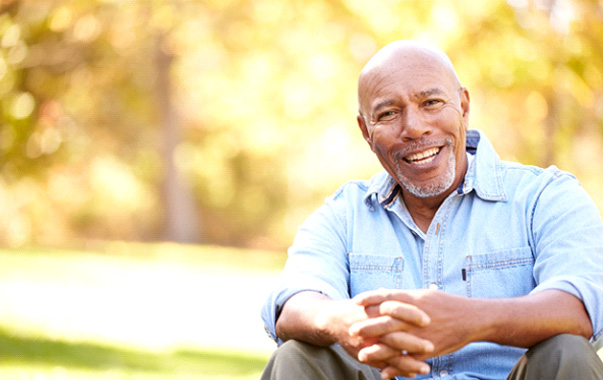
x: 298, y: 360
x: 563, y: 357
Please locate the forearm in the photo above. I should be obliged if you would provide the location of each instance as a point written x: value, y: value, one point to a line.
x: 457, y: 321
x: 303, y: 318
x: 528, y: 320
x: 314, y: 318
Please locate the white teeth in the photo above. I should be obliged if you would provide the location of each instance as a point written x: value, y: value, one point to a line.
x: 424, y: 157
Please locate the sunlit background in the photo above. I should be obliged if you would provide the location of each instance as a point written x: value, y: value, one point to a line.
x: 130, y: 127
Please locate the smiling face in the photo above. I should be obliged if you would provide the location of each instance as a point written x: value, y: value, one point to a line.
x: 413, y: 114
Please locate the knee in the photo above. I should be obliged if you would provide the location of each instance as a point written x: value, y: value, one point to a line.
x: 563, y: 352
x: 294, y: 350
x: 564, y: 346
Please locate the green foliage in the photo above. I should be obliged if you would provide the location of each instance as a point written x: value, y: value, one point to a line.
x: 128, y: 285
x: 260, y: 101
x: 38, y: 355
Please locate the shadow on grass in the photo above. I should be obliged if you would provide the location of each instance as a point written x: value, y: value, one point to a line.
x: 23, y: 351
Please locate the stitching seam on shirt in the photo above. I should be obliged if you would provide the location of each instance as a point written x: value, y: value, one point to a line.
x: 597, y: 335
x: 501, y: 264
x: 396, y: 267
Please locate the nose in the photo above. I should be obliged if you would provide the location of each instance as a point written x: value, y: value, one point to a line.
x: 413, y: 125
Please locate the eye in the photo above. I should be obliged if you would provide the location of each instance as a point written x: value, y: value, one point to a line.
x: 386, y: 116
x: 433, y: 102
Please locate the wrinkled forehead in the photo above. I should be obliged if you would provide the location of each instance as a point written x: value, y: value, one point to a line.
x: 409, y: 67
x: 401, y: 53
x: 411, y: 79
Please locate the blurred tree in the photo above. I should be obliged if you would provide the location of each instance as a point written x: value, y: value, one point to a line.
x: 132, y: 119
x: 179, y: 206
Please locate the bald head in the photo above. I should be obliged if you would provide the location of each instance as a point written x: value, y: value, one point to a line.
x: 404, y: 55
x: 414, y: 114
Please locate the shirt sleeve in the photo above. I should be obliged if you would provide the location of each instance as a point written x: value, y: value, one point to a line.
x: 317, y: 261
x: 567, y: 233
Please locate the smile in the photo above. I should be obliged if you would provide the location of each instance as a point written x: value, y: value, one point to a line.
x: 424, y: 157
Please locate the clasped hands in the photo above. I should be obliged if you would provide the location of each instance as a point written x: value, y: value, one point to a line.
x: 404, y: 328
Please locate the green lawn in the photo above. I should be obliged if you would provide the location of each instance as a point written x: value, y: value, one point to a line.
x: 133, y: 311
x: 35, y: 358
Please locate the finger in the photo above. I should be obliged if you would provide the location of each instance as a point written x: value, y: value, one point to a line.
x: 402, y: 341
x: 405, y: 312
x: 405, y: 366
x: 379, y: 364
x: 375, y: 297
x: 377, y: 353
x: 372, y: 311
x: 375, y: 327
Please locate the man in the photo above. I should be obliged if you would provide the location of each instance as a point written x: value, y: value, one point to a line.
x: 447, y: 265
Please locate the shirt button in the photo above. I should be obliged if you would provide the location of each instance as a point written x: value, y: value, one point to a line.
x: 434, y: 286
x: 443, y: 373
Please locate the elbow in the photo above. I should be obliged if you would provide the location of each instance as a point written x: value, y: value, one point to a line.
x: 583, y: 324
x: 585, y: 329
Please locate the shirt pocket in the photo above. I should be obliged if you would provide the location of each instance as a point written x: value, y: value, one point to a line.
x: 508, y: 273
x: 371, y: 272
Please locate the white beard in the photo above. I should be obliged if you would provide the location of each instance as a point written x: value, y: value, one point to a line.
x: 430, y: 189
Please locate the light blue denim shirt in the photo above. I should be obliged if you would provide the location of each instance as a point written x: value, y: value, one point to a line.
x: 509, y: 230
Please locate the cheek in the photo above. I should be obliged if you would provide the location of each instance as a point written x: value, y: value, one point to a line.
x: 450, y: 118
x: 379, y: 144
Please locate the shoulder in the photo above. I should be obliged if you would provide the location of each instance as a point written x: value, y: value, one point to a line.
x: 550, y: 191
x: 353, y: 188
x: 363, y: 190
x: 518, y: 175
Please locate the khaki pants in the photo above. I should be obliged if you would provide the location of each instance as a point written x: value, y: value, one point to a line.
x: 563, y: 357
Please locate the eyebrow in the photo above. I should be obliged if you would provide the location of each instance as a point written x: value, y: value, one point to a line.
x: 382, y: 104
x: 427, y: 93
x: 419, y: 95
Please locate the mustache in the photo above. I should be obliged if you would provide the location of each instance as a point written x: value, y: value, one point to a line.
x: 419, y: 145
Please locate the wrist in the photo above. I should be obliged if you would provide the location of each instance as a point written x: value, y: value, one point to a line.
x: 325, y: 322
x: 484, y: 320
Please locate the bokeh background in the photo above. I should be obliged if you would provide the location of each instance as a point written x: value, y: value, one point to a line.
x: 159, y: 131
x: 228, y: 121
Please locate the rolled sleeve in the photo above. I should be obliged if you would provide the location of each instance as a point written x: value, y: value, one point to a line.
x: 590, y: 293
x: 568, y: 236
x: 317, y: 262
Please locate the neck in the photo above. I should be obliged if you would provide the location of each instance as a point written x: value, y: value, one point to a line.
x: 423, y: 210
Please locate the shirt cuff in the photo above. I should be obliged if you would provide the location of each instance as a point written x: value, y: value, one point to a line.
x: 589, y: 292
x: 274, y: 304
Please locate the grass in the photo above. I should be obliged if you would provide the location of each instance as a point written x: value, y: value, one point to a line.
x: 89, y: 360
x: 133, y: 311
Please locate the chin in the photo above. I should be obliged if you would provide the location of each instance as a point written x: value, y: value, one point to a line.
x: 433, y: 188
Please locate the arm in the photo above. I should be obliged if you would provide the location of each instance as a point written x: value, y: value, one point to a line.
x: 457, y: 321
x: 314, y: 318
x: 528, y: 320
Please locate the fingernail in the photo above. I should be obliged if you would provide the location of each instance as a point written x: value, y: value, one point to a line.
x: 429, y: 347
x: 424, y: 369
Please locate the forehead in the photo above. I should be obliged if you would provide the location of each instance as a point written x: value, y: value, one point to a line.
x: 411, y: 81
x: 406, y: 68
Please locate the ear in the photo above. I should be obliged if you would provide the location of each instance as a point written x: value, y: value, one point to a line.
x: 364, y: 129
x: 465, y: 105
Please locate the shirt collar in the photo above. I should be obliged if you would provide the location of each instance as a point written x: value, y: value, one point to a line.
x: 484, y: 175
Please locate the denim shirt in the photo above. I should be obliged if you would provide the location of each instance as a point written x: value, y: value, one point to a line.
x: 508, y: 231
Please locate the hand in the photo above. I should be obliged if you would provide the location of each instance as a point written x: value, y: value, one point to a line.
x: 315, y: 318
x: 337, y: 318
x: 398, y: 332
x: 334, y: 320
